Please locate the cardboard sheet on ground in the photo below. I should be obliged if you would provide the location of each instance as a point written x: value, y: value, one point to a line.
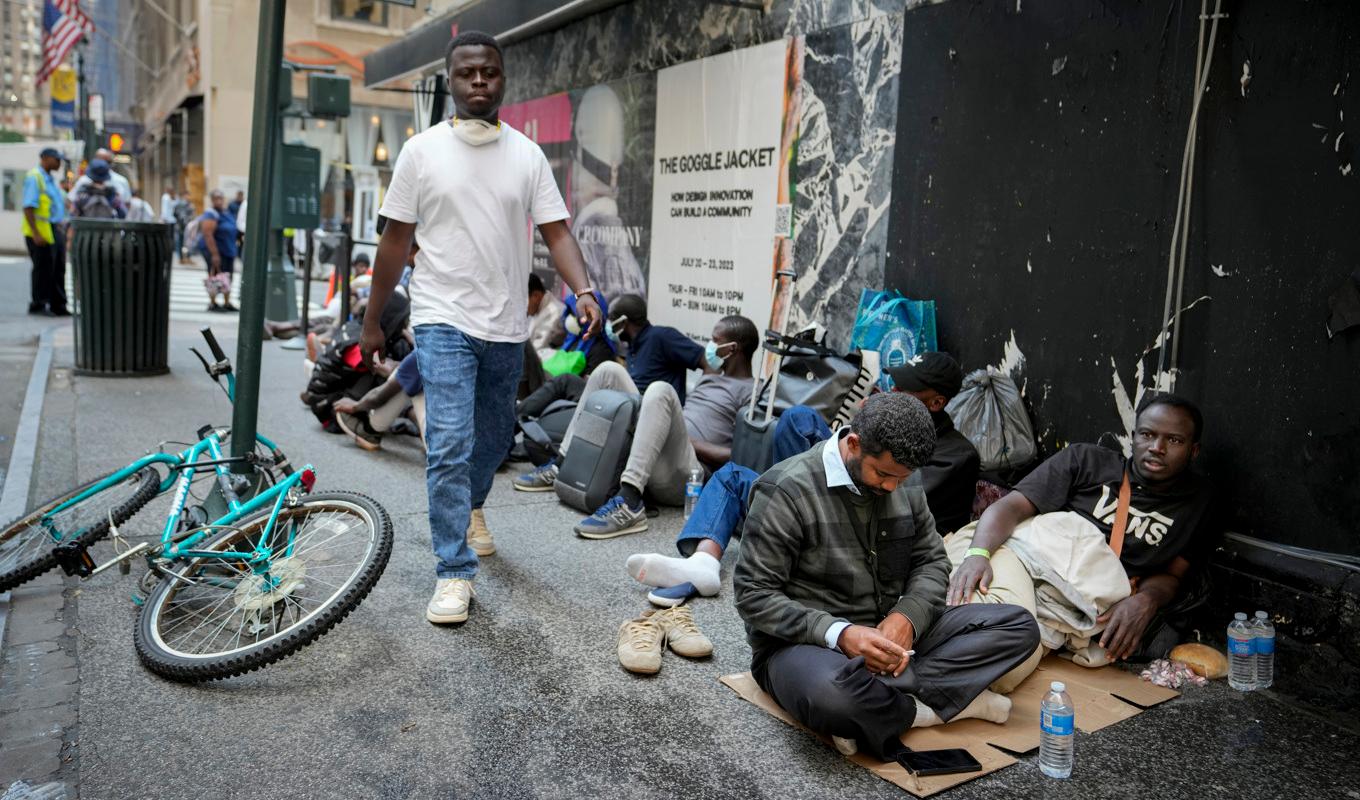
x: 1102, y: 696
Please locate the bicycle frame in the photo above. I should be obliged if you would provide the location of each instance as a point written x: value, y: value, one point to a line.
x: 182, y: 468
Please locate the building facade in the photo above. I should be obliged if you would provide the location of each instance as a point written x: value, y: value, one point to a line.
x: 194, y: 68
x: 23, y: 107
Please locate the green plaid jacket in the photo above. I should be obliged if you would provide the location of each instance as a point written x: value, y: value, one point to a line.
x: 805, y: 563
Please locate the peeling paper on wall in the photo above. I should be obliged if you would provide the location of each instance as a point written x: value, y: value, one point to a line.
x: 1012, y: 360
x: 1126, y: 402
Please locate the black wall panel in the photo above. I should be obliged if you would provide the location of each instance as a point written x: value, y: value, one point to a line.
x: 1037, y: 166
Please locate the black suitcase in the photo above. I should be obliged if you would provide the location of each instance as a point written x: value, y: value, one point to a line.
x: 753, y: 436
x: 590, y: 469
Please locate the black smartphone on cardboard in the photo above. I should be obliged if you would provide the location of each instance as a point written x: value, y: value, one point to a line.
x: 924, y: 763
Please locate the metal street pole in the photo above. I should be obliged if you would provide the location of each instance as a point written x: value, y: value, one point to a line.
x: 263, y: 136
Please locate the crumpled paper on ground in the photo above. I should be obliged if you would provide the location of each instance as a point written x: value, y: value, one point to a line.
x: 1172, y: 674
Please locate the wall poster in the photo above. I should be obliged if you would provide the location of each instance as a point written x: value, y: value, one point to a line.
x: 599, y: 143
x: 720, y: 205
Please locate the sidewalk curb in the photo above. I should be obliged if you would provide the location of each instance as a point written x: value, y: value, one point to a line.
x: 14, y: 499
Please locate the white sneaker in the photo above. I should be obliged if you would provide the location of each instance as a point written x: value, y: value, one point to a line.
x: 479, y: 536
x: 452, y: 596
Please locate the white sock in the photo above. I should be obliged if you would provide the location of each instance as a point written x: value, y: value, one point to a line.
x: 989, y: 705
x: 654, y: 569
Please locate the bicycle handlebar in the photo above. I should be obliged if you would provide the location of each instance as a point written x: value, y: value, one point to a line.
x: 212, y: 344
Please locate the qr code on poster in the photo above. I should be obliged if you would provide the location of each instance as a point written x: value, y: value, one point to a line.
x: 783, y: 220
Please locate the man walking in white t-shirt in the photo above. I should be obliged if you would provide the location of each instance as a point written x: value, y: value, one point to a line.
x: 472, y: 184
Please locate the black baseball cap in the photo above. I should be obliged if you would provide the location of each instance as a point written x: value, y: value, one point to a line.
x: 938, y: 371
x: 50, y: 152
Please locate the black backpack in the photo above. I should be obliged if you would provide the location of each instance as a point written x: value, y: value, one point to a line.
x: 96, y: 202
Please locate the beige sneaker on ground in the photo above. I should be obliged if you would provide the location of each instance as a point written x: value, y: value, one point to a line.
x: 452, y: 596
x: 640, y: 645
x: 682, y: 633
x: 479, y: 536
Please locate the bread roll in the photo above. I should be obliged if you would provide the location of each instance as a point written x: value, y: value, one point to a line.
x: 1204, y: 660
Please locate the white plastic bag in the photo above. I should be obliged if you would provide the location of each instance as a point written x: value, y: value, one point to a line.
x: 991, y: 414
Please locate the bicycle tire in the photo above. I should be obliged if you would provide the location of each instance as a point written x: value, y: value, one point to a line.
x: 148, y: 486
x: 164, y: 660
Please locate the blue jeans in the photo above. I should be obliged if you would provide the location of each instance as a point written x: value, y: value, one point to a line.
x: 797, y: 431
x: 469, y: 423
x: 722, y: 505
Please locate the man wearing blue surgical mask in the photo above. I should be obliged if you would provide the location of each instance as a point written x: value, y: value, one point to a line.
x: 654, y: 354
x: 671, y: 438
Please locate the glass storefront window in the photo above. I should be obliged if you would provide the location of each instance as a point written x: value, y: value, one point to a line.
x: 371, y: 12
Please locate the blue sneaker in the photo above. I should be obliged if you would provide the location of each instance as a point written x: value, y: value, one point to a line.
x: 541, y: 479
x: 672, y: 596
x: 614, y: 518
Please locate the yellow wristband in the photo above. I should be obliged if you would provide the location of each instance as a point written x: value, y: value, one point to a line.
x: 979, y: 551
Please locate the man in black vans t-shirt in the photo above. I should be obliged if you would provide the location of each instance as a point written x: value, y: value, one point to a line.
x: 1169, y: 527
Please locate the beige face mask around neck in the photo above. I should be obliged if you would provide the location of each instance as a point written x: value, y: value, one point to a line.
x: 476, y: 132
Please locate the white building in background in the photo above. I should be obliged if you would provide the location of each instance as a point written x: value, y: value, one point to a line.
x: 23, y: 107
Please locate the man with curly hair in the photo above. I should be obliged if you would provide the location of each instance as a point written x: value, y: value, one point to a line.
x: 841, y: 583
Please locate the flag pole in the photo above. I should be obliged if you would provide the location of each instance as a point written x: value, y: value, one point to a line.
x: 83, y: 102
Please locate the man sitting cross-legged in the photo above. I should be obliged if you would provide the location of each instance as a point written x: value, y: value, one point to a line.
x: 841, y: 584
x: 1171, y: 530
x: 948, y: 478
x: 672, y: 438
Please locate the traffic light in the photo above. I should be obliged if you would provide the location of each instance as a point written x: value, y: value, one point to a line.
x: 327, y: 95
x: 116, y: 142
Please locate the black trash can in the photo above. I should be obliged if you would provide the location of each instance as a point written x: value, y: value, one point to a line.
x: 121, y: 276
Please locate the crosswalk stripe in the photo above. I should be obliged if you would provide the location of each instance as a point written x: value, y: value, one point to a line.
x: 189, y: 299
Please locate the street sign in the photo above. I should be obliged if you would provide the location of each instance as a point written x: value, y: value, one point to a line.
x: 63, y: 97
x: 297, y: 188
x: 97, y: 111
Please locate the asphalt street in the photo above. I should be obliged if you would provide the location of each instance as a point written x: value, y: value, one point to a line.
x: 527, y: 698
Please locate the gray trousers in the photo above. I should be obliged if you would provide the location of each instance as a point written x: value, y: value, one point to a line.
x: 966, y: 649
x: 661, y: 456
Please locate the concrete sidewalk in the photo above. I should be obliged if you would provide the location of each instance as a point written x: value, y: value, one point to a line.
x: 526, y: 699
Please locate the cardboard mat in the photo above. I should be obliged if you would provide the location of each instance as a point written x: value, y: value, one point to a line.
x: 1102, y: 697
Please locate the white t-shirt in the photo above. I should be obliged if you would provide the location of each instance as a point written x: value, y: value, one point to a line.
x: 473, y: 206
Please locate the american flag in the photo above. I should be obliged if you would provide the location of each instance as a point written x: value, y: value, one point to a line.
x: 63, y: 25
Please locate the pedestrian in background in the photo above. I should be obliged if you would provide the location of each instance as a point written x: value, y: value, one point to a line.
x: 44, y: 222
x: 184, y: 212
x: 139, y: 210
x: 167, y: 216
x: 119, y: 183
x: 217, y: 245
x: 95, y: 195
x: 234, y: 207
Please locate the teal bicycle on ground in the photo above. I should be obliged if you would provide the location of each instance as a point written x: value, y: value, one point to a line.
x: 220, y: 597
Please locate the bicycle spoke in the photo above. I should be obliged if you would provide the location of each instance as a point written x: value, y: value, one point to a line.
x: 226, y: 605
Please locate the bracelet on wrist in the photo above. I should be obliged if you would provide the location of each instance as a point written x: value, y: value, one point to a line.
x: 589, y: 290
x: 979, y: 551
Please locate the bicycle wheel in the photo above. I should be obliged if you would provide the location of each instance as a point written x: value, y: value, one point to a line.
x: 213, y: 618
x: 26, y: 543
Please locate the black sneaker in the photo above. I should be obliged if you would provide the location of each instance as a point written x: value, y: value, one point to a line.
x: 405, y: 427
x: 356, y: 425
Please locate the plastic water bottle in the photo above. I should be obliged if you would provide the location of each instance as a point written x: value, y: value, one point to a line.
x: 1241, y: 654
x: 1056, y: 726
x: 693, y: 487
x: 1263, y: 644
